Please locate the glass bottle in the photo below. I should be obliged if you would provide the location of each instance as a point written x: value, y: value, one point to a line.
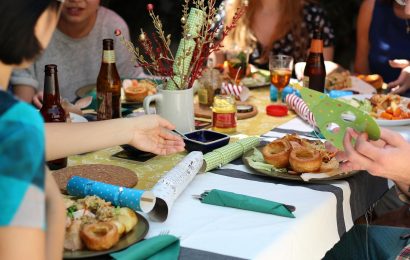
x: 315, y: 72
x: 224, y: 114
x: 108, y: 85
x: 52, y: 111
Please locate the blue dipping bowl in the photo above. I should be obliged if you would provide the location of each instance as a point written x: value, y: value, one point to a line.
x: 205, y: 140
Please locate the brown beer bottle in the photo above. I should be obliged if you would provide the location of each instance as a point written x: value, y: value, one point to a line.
x: 108, y: 85
x: 52, y: 111
x: 315, y: 71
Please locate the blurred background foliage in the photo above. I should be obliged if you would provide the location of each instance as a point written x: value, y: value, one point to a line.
x: 342, y: 14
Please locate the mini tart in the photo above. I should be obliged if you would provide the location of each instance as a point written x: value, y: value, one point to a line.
x: 277, y: 153
x: 135, y: 93
x: 305, y: 159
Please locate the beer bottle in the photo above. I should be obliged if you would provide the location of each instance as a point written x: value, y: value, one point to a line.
x: 52, y: 111
x: 108, y: 85
x: 315, y: 72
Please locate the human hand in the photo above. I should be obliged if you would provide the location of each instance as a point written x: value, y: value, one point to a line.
x: 386, y: 158
x: 38, y: 99
x: 402, y: 83
x: 151, y: 134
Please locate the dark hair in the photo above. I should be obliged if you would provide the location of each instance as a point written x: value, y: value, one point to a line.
x: 18, y: 18
x: 389, y: 2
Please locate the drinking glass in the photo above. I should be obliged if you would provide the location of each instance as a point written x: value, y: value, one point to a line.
x: 280, y: 67
x: 237, y: 64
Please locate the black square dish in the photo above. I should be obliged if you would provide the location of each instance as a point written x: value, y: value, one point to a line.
x: 205, y: 140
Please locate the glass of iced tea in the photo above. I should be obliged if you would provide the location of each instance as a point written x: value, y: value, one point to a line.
x: 280, y: 67
x: 237, y: 64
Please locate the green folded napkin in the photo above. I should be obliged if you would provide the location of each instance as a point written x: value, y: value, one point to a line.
x: 228, y: 153
x: 155, y: 248
x: 239, y: 201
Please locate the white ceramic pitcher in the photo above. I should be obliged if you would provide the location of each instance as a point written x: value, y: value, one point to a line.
x: 176, y: 106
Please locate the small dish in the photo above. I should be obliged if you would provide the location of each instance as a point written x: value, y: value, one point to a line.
x: 205, y: 140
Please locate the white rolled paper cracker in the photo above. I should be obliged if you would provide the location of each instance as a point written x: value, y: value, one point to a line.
x: 228, y: 153
x: 173, y: 183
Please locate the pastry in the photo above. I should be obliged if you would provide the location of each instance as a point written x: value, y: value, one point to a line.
x: 374, y: 79
x: 99, y: 236
x: 277, y: 153
x: 305, y: 159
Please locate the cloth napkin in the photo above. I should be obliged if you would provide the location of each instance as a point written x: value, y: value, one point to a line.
x: 155, y: 248
x: 239, y: 201
x: 228, y: 153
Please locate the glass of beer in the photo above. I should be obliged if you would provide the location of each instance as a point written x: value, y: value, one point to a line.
x: 280, y: 67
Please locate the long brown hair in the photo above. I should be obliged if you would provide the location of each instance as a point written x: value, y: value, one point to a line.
x: 290, y: 22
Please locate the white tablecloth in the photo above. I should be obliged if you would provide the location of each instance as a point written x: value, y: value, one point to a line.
x: 323, y: 213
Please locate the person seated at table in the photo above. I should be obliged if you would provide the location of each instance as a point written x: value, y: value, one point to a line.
x: 76, y: 48
x: 386, y: 158
x: 32, y: 219
x: 383, y: 35
x: 281, y: 27
x: 401, y: 85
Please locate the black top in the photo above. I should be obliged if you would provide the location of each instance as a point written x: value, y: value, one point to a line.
x: 313, y: 15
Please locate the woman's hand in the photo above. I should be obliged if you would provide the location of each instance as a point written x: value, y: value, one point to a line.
x: 151, y: 133
x: 402, y: 83
x: 386, y: 158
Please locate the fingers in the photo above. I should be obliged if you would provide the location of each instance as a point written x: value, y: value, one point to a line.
x: 349, y: 166
x: 164, y: 123
x: 38, y: 99
x: 169, y: 136
x: 398, y: 81
x: 364, y: 147
x: 392, y: 138
x: 400, y: 90
x: 400, y: 64
x: 354, y: 156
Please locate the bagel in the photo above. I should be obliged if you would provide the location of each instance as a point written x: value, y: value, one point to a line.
x: 277, y: 153
x: 305, y: 159
x: 99, y: 236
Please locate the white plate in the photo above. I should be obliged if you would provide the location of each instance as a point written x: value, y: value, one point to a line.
x: 358, y: 85
x: 382, y: 122
x: 77, y: 118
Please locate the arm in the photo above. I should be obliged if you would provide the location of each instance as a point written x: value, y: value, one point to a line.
x: 22, y: 243
x: 24, y: 92
x: 361, y: 64
x: 56, y: 215
x: 328, y: 53
x: 147, y: 133
x: 24, y: 84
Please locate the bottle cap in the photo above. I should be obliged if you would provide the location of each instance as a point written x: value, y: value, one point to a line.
x: 277, y: 110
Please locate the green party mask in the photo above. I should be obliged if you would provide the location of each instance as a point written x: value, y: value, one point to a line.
x: 333, y: 117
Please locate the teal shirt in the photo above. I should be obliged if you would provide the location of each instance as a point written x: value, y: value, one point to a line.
x: 22, y: 167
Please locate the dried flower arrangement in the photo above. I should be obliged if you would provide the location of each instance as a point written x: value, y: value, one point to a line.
x: 200, y: 38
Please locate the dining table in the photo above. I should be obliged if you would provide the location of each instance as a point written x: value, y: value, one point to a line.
x: 325, y: 210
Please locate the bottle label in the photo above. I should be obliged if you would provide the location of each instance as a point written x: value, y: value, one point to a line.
x: 306, y: 81
x: 316, y: 46
x: 203, y: 96
x: 109, y: 56
x: 224, y: 120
